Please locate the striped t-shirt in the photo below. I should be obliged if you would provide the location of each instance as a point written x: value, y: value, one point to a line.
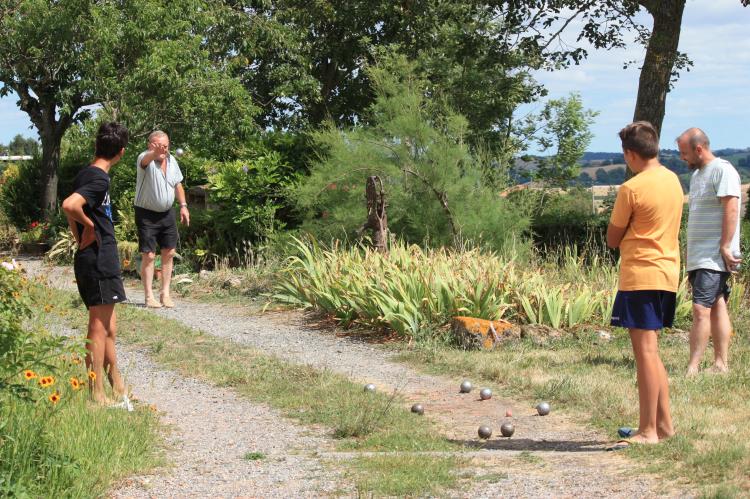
x: 707, y: 185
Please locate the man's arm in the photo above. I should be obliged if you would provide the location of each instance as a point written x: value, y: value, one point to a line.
x: 730, y: 208
x: 179, y: 192
x: 73, y: 208
x: 615, y: 235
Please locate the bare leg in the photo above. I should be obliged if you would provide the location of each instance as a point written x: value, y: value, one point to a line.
x: 167, y: 261
x: 99, y: 318
x: 699, y: 333
x: 651, y: 383
x: 664, y: 426
x: 110, y: 358
x: 147, y: 275
x: 721, y: 330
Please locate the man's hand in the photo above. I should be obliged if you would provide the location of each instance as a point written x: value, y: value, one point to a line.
x: 729, y: 260
x: 156, y: 152
x: 88, y: 237
x: 185, y: 215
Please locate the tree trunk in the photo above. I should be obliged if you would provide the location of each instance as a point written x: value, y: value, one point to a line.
x: 661, y: 55
x: 51, y: 140
x: 377, y: 220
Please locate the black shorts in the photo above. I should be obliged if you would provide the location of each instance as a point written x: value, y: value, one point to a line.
x: 94, y: 288
x: 156, y: 228
x: 708, y: 285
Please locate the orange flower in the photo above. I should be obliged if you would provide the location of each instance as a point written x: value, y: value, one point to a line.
x: 29, y: 374
x: 75, y: 383
x: 46, y: 381
x: 16, y: 296
x: 48, y: 308
x: 126, y: 263
x: 54, y: 398
x: 92, y: 375
x: 76, y: 360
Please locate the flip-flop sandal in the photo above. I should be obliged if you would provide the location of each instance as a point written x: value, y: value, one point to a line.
x: 620, y: 445
x: 626, y: 432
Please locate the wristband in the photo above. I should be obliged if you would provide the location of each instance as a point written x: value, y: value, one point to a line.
x: 183, y: 205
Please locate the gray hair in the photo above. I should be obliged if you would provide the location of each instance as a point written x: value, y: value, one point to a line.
x: 157, y: 133
x: 695, y: 137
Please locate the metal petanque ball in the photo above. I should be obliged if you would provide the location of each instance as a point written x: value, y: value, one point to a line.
x: 417, y: 409
x: 484, y: 432
x: 507, y: 429
x: 737, y: 254
x: 369, y: 387
x: 179, y: 152
x: 466, y: 386
x: 542, y: 409
x: 485, y: 394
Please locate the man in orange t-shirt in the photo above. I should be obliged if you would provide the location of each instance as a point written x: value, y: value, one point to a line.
x: 645, y: 225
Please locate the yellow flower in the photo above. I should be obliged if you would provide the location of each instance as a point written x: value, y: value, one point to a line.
x: 48, y: 308
x: 54, y: 398
x: 16, y: 295
x: 76, y: 360
x: 92, y: 375
x: 75, y: 383
x: 46, y: 381
x: 29, y: 374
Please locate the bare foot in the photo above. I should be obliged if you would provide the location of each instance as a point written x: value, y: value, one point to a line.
x: 641, y: 439
x: 664, y: 435
x: 102, y: 400
x: 691, y: 371
x: 717, y: 369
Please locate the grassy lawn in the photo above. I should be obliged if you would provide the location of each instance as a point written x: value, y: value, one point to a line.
x: 595, y: 381
x: 359, y: 420
x: 55, y: 442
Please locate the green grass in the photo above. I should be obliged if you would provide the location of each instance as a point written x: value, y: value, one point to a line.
x: 72, y: 449
x: 402, y: 475
x: 358, y: 420
x: 254, y: 456
x: 595, y: 382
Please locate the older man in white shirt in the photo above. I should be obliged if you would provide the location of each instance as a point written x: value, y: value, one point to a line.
x: 158, y: 182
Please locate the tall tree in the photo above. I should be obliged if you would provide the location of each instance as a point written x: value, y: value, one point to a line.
x: 63, y: 59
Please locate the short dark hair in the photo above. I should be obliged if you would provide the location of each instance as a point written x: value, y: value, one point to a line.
x: 111, y: 138
x: 641, y: 138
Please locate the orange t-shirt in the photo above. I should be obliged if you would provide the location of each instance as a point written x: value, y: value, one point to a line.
x: 650, y: 206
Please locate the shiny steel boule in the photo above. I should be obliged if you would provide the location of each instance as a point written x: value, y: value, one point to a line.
x: 369, y: 387
x: 507, y: 429
x: 417, y: 409
x: 484, y: 432
x: 543, y: 408
x: 179, y: 152
x: 466, y: 386
x: 485, y: 394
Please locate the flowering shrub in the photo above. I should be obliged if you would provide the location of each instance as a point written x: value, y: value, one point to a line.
x: 23, y: 351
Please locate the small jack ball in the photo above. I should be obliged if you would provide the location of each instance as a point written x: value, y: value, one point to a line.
x: 417, y: 409
x: 484, y: 432
x: 508, y: 413
x: 466, y: 387
x: 507, y: 429
x: 542, y: 409
x: 485, y: 394
x: 369, y: 387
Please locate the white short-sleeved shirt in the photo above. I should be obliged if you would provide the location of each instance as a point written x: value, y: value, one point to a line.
x: 707, y: 185
x: 153, y: 190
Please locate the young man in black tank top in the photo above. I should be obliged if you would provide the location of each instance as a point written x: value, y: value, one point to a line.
x: 97, y: 264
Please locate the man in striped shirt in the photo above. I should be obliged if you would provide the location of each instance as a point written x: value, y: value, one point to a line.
x: 713, y: 243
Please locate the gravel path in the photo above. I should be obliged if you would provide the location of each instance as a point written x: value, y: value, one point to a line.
x: 567, y: 459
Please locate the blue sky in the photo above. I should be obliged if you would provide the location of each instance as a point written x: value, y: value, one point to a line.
x: 713, y: 95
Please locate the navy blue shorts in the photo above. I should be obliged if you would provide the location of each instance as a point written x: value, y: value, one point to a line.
x: 646, y: 309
